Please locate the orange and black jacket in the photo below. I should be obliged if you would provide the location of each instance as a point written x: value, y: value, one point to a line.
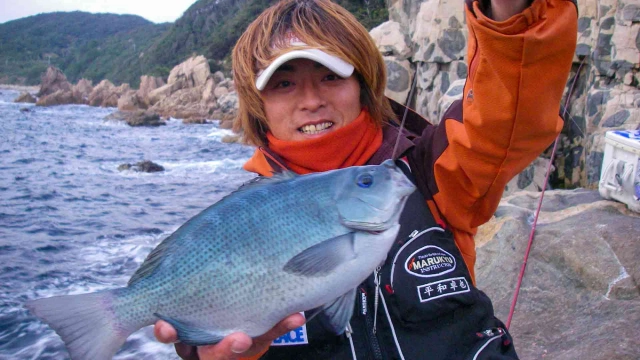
x: 507, y: 116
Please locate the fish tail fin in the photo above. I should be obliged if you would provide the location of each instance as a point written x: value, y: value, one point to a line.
x: 86, y: 323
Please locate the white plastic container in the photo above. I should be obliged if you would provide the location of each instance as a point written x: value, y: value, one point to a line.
x: 620, y: 176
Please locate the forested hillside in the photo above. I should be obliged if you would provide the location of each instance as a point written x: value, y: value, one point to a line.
x: 81, y: 44
x: 121, y: 48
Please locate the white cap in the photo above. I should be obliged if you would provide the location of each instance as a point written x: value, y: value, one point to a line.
x: 333, y: 63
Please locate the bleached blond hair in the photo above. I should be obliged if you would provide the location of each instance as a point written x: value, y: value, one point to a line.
x: 319, y: 24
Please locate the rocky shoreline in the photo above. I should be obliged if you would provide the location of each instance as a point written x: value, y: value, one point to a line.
x: 191, y: 93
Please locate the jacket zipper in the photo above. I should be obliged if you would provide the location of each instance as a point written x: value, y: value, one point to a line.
x: 472, y: 70
x: 370, y: 336
x: 492, y: 334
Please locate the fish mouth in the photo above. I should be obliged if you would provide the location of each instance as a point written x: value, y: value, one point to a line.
x: 383, y: 225
x: 313, y: 129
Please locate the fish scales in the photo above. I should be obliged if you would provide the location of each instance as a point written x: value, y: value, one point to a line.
x: 212, y: 242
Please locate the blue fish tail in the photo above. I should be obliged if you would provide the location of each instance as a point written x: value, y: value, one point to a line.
x: 86, y: 323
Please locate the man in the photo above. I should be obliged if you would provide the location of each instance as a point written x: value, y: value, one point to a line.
x: 311, y: 86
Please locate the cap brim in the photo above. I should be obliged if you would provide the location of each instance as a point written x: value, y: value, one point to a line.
x: 333, y: 63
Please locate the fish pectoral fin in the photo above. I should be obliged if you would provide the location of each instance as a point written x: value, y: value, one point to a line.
x: 191, y: 335
x: 322, y: 258
x: 336, y: 315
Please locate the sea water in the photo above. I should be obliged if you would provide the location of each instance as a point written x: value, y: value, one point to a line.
x: 71, y: 223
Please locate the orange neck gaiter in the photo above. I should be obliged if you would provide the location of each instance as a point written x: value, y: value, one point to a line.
x: 350, y: 145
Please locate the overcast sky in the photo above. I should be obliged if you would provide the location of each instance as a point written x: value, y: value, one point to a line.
x: 156, y: 11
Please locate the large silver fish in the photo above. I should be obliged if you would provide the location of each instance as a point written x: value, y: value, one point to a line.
x: 273, y: 248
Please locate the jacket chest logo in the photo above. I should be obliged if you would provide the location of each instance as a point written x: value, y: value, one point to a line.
x: 429, y: 261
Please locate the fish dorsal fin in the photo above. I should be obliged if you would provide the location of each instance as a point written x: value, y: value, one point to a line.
x: 322, y: 258
x: 277, y: 177
x: 154, y: 259
x: 283, y: 175
x: 335, y: 316
x: 166, y: 247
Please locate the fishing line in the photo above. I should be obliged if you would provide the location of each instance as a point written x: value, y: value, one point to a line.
x: 394, y: 156
x: 535, y: 219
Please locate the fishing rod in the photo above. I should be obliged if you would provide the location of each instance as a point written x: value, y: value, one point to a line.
x: 544, y: 187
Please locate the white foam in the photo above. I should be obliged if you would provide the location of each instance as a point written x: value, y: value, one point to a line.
x: 148, y: 348
x: 217, y: 133
x: 188, y: 167
x: 37, y: 349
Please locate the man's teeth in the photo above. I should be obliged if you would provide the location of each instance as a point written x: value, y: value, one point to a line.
x: 312, y: 129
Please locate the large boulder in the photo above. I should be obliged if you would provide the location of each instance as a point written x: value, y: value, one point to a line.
x: 129, y: 101
x: 157, y: 95
x: 391, y: 41
x: 77, y: 94
x: 220, y: 91
x: 183, y: 104
x: 580, y: 297
x: 60, y: 97
x: 194, y: 95
x: 52, y: 81
x: 228, y: 107
x: 25, y: 97
x: 218, y: 77
x: 82, y: 90
x: 399, y: 75
x: 104, y: 95
x: 190, y: 73
x: 208, y: 92
x: 148, y: 84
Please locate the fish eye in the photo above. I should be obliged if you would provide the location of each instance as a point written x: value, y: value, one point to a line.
x: 364, y: 180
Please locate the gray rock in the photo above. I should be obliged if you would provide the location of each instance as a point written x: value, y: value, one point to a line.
x: 580, y: 297
x: 142, y: 166
x: 137, y: 118
x: 616, y: 119
x: 398, y: 77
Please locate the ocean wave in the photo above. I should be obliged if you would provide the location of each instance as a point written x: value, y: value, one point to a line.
x: 189, y: 167
x: 218, y: 134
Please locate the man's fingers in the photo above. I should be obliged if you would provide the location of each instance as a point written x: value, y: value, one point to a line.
x: 164, y: 332
x: 229, y: 348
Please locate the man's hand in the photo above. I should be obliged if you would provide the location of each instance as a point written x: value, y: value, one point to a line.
x: 231, y: 347
x: 503, y: 9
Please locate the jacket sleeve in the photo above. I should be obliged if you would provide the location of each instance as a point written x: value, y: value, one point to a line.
x: 509, y: 111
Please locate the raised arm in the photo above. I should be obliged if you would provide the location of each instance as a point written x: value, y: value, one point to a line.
x: 509, y: 112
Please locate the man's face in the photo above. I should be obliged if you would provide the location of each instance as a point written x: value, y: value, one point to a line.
x: 304, y: 100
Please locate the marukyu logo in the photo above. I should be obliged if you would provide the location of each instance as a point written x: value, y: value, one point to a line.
x: 294, y: 337
x: 430, y: 261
